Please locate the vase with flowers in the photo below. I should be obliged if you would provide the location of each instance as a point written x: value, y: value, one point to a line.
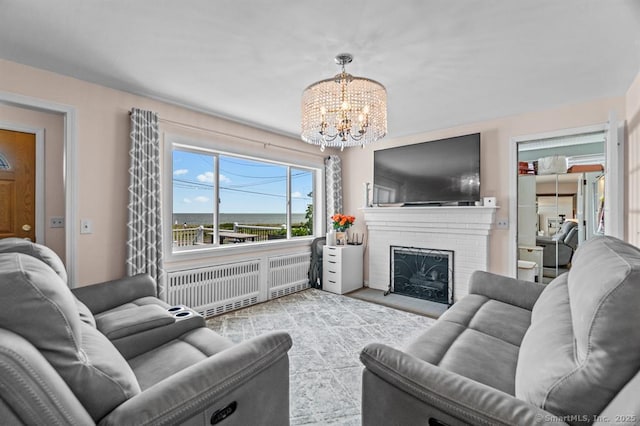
x: 342, y: 222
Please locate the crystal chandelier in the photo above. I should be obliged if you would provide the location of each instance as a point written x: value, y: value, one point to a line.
x: 344, y: 110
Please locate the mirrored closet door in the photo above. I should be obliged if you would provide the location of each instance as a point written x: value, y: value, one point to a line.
x: 560, y: 201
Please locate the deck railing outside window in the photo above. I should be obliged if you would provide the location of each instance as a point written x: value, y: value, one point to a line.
x: 190, y: 236
x: 193, y: 236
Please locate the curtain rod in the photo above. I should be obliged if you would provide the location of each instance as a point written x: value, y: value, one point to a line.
x: 244, y: 138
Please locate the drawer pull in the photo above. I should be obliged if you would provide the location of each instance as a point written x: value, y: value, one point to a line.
x: 332, y: 272
x: 333, y: 282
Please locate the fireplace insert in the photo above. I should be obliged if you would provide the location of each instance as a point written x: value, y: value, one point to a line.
x: 422, y: 273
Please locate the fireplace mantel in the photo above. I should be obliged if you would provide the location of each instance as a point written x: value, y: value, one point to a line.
x: 463, y: 229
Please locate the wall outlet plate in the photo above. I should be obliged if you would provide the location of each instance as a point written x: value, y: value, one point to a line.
x: 56, y: 222
x: 502, y: 223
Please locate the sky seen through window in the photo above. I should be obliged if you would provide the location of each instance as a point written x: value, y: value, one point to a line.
x: 246, y: 186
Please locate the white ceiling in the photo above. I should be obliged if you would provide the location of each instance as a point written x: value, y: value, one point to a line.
x: 444, y: 62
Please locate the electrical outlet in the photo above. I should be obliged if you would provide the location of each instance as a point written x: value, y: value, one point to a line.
x: 56, y: 222
x: 502, y: 224
x: 86, y: 226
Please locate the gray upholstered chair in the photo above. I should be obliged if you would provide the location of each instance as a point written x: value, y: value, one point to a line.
x: 564, y: 242
x: 114, y: 354
x: 520, y: 353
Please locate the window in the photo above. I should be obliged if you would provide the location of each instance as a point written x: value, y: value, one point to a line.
x: 220, y: 199
x: 4, y: 163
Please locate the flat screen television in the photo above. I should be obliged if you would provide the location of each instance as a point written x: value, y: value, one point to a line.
x: 445, y: 171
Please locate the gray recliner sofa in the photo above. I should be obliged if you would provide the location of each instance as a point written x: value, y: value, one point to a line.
x: 520, y: 353
x: 114, y: 354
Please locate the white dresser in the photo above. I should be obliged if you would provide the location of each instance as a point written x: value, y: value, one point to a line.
x: 342, y: 268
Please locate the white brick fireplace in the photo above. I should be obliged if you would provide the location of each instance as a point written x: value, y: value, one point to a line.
x: 464, y: 230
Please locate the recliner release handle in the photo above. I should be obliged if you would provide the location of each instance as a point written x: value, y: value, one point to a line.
x: 223, y: 413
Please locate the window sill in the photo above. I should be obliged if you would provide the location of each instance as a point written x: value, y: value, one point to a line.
x: 235, y: 251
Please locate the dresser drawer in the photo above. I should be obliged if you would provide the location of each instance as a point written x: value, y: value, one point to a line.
x: 331, y: 284
x: 332, y: 253
x: 332, y: 271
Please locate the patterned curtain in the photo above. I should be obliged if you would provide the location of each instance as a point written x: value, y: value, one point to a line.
x: 333, y: 186
x: 144, y: 244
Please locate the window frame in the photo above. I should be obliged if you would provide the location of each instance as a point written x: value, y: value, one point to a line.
x: 216, y: 147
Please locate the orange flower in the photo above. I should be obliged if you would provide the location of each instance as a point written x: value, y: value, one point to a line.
x: 341, y: 221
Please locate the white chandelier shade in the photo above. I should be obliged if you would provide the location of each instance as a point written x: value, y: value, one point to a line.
x: 344, y: 111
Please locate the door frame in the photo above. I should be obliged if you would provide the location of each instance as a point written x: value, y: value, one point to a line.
x: 39, y: 178
x: 70, y: 169
x: 616, y: 220
x: 614, y: 178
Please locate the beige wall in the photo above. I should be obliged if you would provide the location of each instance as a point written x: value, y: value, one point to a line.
x: 102, y: 151
x: 495, y: 142
x: 53, y: 126
x: 632, y: 150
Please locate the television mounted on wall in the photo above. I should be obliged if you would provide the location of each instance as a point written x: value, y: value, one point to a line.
x: 440, y: 172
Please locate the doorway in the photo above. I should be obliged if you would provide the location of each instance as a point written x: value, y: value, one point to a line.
x: 553, y: 200
x: 69, y: 137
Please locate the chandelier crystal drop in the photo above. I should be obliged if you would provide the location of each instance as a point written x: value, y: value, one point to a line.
x: 344, y: 111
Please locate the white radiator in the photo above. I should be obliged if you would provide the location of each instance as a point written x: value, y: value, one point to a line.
x: 217, y: 289
x: 288, y: 274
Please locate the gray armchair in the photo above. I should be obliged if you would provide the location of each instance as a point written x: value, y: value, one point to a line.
x: 565, y: 241
x: 114, y: 354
